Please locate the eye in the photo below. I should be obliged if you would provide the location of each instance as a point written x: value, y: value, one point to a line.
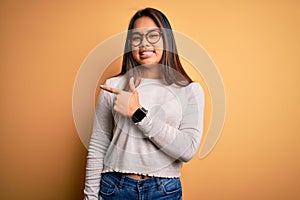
x: 136, y: 38
x: 153, y: 35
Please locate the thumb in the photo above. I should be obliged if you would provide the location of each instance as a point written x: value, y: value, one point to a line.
x: 131, y: 85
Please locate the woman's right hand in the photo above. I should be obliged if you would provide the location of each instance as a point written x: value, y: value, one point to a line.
x: 126, y: 103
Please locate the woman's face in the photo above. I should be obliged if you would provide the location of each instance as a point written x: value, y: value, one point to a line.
x: 146, y: 42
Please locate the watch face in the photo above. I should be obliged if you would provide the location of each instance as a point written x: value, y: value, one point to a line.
x: 139, y: 114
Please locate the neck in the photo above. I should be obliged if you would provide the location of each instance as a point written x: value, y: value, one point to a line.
x: 151, y: 71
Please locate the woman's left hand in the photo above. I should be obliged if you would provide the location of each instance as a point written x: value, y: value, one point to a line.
x: 126, y: 103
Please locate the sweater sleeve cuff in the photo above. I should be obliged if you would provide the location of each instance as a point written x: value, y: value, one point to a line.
x: 152, y: 124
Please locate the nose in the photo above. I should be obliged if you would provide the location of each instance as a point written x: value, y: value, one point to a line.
x: 144, y: 41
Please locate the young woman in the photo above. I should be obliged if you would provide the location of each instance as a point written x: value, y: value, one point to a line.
x: 148, y: 121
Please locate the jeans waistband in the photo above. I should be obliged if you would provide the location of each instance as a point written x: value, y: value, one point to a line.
x: 123, y: 180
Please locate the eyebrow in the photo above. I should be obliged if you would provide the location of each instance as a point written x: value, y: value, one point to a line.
x: 154, y: 29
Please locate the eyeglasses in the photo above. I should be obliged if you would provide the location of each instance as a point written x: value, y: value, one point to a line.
x: 152, y: 37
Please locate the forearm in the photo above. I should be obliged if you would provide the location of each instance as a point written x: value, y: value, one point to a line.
x: 97, y: 150
x: 179, y: 141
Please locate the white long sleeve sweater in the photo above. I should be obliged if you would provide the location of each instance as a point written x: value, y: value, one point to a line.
x: 169, y: 135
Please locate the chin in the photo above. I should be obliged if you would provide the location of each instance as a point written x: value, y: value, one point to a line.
x: 148, y: 64
x: 148, y: 61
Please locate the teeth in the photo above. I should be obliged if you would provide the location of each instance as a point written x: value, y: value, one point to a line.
x: 147, y: 52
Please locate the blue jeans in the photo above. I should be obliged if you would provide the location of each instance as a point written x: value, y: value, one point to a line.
x: 116, y: 186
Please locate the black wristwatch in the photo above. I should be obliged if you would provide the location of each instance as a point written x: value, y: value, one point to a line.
x: 139, y: 114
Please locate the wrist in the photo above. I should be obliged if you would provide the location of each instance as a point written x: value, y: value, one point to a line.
x: 133, y: 109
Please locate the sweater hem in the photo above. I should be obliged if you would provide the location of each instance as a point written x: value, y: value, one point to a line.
x: 139, y: 173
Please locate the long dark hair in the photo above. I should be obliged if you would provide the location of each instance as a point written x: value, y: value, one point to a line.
x: 171, y: 65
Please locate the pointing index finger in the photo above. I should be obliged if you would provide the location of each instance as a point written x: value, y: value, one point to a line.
x: 109, y: 89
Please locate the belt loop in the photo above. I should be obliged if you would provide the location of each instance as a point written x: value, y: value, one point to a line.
x: 122, y: 180
x: 158, y: 182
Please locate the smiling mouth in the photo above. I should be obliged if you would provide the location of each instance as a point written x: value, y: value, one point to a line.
x: 146, y: 53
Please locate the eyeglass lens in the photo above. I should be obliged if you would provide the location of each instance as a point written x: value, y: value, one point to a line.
x: 152, y: 37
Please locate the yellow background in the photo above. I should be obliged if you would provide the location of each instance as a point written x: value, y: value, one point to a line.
x: 255, y: 45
